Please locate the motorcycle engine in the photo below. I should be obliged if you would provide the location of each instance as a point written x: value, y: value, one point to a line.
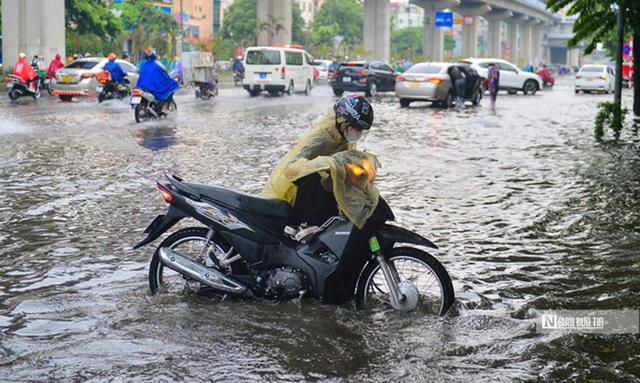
x: 286, y: 282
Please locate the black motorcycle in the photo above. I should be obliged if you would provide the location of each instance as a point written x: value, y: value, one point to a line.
x: 146, y: 107
x: 247, y: 249
x: 18, y: 88
x: 111, y: 90
x: 237, y: 78
x: 206, y: 90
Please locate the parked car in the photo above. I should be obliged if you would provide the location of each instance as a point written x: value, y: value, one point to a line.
x: 370, y: 77
x: 323, y: 69
x: 430, y: 81
x: 512, y: 79
x: 596, y: 78
x: 77, y: 79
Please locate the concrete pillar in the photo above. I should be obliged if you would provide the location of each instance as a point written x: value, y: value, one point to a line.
x: 495, y: 21
x: 525, y: 43
x: 536, y: 43
x: 377, y: 29
x: 433, y: 44
x: 274, y: 21
x: 512, y: 37
x: 33, y: 27
x: 529, y: 40
x: 470, y: 32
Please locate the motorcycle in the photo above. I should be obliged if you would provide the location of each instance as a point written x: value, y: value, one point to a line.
x: 206, y: 90
x: 109, y: 89
x: 18, y: 88
x: 247, y: 250
x: 237, y: 78
x: 146, y: 106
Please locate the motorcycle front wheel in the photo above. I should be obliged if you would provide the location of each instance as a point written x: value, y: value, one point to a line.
x: 192, y: 243
x: 422, y: 280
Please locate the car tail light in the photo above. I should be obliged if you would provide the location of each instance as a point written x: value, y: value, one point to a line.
x: 86, y: 75
x: 167, y: 196
x: 400, y: 78
x: 282, y: 73
x: 578, y: 76
x: 603, y: 77
x: 364, y: 72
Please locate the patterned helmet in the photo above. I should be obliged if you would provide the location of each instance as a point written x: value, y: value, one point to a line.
x: 355, y: 109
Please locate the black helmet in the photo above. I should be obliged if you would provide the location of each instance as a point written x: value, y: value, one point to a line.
x: 150, y: 54
x: 355, y: 109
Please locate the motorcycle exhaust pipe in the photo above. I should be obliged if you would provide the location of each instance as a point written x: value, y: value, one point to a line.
x: 197, y: 271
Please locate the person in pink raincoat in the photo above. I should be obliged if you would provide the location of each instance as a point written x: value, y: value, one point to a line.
x: 54, y: 65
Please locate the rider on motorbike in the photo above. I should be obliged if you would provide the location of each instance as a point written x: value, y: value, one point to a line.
x: 304, y: 175
x: 54, y: 65
x: 156, y: 80
x: 117, y: 74
x: 25, y: 71
x: 238, y: 67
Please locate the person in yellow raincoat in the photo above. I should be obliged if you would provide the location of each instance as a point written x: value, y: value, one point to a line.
x: 317, y: 175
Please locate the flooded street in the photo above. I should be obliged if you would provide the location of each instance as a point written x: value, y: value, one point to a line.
x: 530, y: 211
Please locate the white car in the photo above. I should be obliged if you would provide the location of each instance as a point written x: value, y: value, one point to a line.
x: 323, y: 68
x: 597, y: 78
x: 512, y: 79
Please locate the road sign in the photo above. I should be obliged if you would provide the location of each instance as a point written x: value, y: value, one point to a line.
x: 468, y: 20
x: 444, y: 19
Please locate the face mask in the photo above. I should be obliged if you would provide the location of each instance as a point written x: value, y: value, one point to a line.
x: 352, y: 134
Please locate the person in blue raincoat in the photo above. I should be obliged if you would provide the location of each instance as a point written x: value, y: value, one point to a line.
x: 156, y: 80
x: 117, y: 74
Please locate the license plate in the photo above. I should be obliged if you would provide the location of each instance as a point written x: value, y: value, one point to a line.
x: 9, y: 85
x: 346, y: 79
x: 67, y: 78
x: 135, y: 100
x: 589, y: 78
x: 99, y: 89
x: 263, y: 75
x: 414, y: 84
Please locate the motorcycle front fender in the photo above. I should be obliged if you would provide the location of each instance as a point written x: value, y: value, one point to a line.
x: 160, y: 225
x: 388, y: 235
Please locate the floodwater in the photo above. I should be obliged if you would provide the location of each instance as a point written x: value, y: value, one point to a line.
x: 530, y: 212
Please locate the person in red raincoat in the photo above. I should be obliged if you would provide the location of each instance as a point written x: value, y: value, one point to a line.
x: 55, y: 64
x: 24, y: 70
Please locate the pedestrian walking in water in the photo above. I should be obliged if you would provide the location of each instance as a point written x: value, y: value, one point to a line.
x: 493, y: 82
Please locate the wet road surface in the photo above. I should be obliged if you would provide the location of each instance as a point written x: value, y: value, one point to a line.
x: 530, y: 212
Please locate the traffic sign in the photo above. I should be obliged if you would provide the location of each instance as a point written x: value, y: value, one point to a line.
x: 468, y: 20
x: 444, y: 19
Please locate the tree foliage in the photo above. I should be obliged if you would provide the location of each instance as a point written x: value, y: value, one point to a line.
x: 241, y: 24
x: 147, y: 27
x: 91, y: 17
x: 338, y: 18
x: 407, y: 39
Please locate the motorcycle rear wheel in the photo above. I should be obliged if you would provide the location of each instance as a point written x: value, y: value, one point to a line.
x: 14, y: 94
x: 189, y: 242
x: 417, y: 271
x: 141, y: 113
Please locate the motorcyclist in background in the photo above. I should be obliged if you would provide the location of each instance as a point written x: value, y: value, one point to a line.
x: 156, y: 80
x: 303, y: 177
x: 238, y: 66
x: 117, y: 74
x: 25, y: 71
x: 54, y: 65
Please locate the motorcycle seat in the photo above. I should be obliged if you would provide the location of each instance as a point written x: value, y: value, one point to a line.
x: 242, y: 201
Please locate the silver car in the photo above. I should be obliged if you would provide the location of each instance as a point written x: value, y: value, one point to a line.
x: 77, y: 79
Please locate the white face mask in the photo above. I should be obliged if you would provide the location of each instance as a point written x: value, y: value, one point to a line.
x: 352, y: 134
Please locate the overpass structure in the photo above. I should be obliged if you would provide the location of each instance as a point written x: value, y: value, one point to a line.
x: 525, y: 20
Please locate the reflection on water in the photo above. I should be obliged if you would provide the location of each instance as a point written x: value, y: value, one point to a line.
x: 529, y: 211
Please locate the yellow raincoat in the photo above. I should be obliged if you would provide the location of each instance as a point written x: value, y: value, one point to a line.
x: 324, y: 151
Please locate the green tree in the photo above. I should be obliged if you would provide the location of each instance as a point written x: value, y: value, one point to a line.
x: 241, y: 24
x: 90, y: 26
x: 596, y: 22
x: 145, y: 27
x: 338, y: 18
x: 409, y: 40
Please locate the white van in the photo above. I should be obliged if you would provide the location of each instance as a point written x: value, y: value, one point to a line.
x: 277, y: 69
